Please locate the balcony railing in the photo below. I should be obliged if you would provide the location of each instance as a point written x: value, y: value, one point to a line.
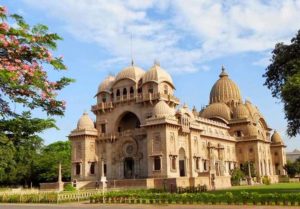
x: 137, y: 98
x: 115, y: 135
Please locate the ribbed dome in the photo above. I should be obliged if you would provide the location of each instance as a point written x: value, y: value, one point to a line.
x: 105, y: 86
x: 252, y: 130
x: 217, y: 110
x: 132, y: 72
x: 241, y: 112
x: 276, y: 138
x: 157, y: 74
x: 224, y: 90
x: 85, y: 122
x: 162, y: 109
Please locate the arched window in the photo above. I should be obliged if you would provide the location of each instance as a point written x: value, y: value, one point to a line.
x: 118, y: 92
x: 131, y: 90
x: 124, y: 92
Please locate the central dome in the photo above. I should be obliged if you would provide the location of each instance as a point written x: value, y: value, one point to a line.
x: 225, y: 90
x: 132, y: 72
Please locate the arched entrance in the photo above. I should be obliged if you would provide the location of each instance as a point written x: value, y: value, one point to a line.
x: 182, y: 171
x: 128, y: 168
x: 128, y: 121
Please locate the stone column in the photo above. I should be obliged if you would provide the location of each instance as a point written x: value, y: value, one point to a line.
x: 59, y: 180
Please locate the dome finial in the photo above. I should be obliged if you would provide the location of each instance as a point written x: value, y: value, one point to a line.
x: 223, y: 73
x: 156, y: 62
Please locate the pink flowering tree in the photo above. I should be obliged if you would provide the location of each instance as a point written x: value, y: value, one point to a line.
x: 25, y: 52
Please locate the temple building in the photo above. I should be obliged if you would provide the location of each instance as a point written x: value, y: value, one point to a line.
x: 144, y: 137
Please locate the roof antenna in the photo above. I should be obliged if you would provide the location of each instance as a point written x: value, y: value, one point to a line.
x: 132, y: 62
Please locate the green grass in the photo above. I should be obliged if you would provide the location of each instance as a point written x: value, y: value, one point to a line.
x: 273, y: 188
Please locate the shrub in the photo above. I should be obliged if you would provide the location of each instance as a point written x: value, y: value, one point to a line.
x: 266, y: 180
x: 69, y: 188
x: 236, y: 176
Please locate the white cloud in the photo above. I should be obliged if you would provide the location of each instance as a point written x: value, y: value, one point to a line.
x: 161, y: 28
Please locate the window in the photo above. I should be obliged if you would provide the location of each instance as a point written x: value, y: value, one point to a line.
x: 124, y: 92
x: 77, y: 168
x: 118, y: 93
x: 103, y: 128
x: 150, y: 89
x: 238, y: 133
x: 205, y: 165
x: 173, y: 163
x: 157, y: 164
x: 131, y: 90
x: 197, y: 163
x: 92, y: 168
x: 251, y: 150
x: 275, y: 153
x: 105, y: 169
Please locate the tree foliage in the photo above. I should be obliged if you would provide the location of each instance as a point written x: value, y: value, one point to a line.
x: 46, y: 166
x: 292, y: 168
x: 245, y: 169
x: 24, y: 56
x: 283, y: 79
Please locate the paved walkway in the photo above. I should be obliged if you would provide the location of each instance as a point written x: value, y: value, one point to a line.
x: 136, y: 206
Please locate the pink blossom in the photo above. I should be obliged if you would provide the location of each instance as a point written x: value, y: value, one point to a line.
x: 4, y: 26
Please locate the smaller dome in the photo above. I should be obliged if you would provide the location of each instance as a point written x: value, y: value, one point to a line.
x: 216, y: 110
x: 241, y: 112
x: 252, y: 130
x: 157, y: 74
x: 85, y: 122
x: 132, y: 72
x: 105, y: 86
x: 162, y: 109
x: 276, y: 138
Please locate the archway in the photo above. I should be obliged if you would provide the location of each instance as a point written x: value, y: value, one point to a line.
x: 128, y: 168
x: 182, y: 171
x: 128, y: 121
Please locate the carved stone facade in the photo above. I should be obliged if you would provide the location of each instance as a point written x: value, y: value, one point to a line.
x: 142, y: 138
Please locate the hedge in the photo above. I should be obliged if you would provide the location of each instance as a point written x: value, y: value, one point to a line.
x: 242, y: 198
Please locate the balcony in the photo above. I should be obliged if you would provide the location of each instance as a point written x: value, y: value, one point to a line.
x: 114, y: 136
x: 102, y: 106
x: 156, y: 96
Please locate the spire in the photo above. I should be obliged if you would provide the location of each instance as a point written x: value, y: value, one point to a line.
x: 156, y: 62
x: 131, y: 50
x: 223, y: 73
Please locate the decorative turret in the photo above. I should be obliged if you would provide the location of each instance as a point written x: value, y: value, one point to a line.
x: 85, y: 122
x: 276, y: 138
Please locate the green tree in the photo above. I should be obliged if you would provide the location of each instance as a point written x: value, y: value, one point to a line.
x: 236, y: 176
x: 245, y: 169
x: 283, y: 79
x: 25, y: 60
x: 19, y: 139
x: 46, y: 166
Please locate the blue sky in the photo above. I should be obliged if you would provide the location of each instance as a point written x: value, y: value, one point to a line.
x: 191, y: 39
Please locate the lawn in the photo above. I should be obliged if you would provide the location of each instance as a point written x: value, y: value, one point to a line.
x: 273, y: 188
